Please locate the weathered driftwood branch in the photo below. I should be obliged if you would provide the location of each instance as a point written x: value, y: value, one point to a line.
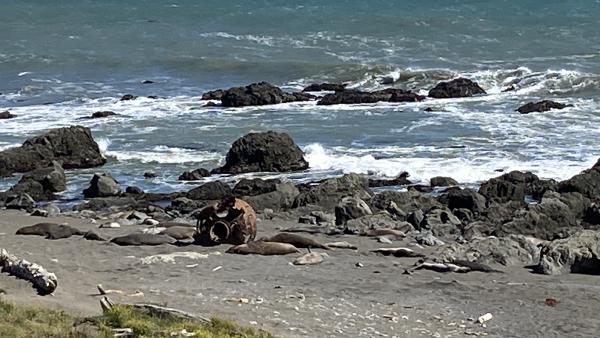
x: 44, y: 281
x: 154, y: 310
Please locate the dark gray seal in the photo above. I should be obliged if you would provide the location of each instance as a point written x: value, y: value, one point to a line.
x: 50, y: 230
x: 139, y: 238
x: 296, y: 240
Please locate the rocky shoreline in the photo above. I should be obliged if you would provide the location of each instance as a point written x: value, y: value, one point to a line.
x: 512, y: 221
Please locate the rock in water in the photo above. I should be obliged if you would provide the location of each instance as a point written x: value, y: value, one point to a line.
x: 73, y: 147
x: 269, y: 151
x: 102, y: 185
x: 318, y: 87
x: 100, y: 114
x: 440, y: 181
x: 460, y: 87
x: 6, y: 115
x: 194, y: 175
x: 579, y: 253
x: 541, y: 106
x: 41, y: 184
x: 357, y: 97
x: 257, y: 94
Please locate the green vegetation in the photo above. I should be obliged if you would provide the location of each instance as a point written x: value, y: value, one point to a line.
x: 24, y: 321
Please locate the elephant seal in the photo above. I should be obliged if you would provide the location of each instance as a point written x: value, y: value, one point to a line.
x: 310, y: 258
x: 50, y: 230
x: 296, y: 240
x: 180, y: 233
x: 474, y: 266
x: 263, y: 248
x: 139, y: 238
x: 169, y: 224
x: 93, y: 236
x: 398, y: 252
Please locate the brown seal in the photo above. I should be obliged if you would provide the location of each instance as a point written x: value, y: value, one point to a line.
x: 50, y: 230
x: 139, y: 238
x: 296, y: 240
x: 180, y: 233
x: 263, y: 248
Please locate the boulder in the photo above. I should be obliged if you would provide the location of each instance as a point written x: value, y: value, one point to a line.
x: 327, y: 193
x: 441, y: 222
x: 408, y: 201
x: 257, y: 94
x: 194, y: 175
x: 400, y: 180
x: 464, y: 199
x: 381, y: 220
x: 514, y: 186
x: 541, y: 106
x: 213, y: 94
x: 351, y: 208
x: 73, y: 147
x: 579, y: 253
x: 255, y: 186
x: 100, y: 114
x: 6, y: 115
x: 41, y: 184
x: 428, y: 239
x: 440, y: 181
x: 281, y: 198
x: 357, y: 97
x: 460, y: 87
x: 102, y: 185
x: 319, y: 87
x: 210, y: 191
x: 269, y: 151
x: 586, y: 183
x: 128, y: 97
x: 134, y: 190
x: 513, y: 250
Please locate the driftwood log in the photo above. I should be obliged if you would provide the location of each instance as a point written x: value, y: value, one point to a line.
x: 44, y: 281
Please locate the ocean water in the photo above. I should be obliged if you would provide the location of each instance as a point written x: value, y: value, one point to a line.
x: 60, y: 61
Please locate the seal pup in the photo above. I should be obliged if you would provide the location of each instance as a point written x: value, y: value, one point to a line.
x: 93, y: 236
x: 296, y: 240
x: 263, y: 248
x: 398, y: 252
x: 180, y: 233
x: 50, y: 230
x: 475, y: 266
x: 341, y: 245
x: 139, y: 238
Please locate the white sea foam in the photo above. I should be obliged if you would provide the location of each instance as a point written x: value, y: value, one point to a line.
x: 166, y: 154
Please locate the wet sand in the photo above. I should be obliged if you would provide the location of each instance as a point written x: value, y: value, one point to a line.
x: 334, y: 299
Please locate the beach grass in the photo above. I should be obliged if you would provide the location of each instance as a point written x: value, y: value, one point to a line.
x: 29, y: 321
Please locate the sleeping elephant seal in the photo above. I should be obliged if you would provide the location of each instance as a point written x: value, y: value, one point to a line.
x: 263, y: 248
x: 49, y: 230
x: 296, y: 240
x: 180, y: 233
x: 92, y: 235
x: 139, y: 238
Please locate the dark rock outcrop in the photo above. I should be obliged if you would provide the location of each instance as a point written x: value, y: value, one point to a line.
x: 128, y: 97
x: 281, y: 198
x: 41, y: 184
x: 586, y: 183
x: 210, y: 191
x: 102, y: 185
x: 319, y: 87
x: 357, y: 97
x: 213, y: 94
x: 6, y: 115
x: 100, y: 114
x: 514, y: 185
x: 255, y: 186
x: 400, y: 180
x: 351, y: 208
x: 541, y: 106
x: 194, y: 175
x: 269, y: 151
x: 258, y: 94
x: 440, y: 181
x: 464, y: 199
x: 577, y: 254
x: 460, y: 87
x: 73, y: 147
x: 328, y: 192
x: 20, y: 201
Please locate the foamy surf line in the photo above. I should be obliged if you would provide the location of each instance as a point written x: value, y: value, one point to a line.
x: 422, y: 169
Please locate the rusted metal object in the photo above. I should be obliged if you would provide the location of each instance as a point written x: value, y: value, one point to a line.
x: 230, y: 221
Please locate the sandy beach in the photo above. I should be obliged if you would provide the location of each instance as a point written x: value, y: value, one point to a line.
x: 334, y: 299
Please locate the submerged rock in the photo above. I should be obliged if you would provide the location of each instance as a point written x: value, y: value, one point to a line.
x: 6, y: 115
x: 100, y: 114
x: 258, y: 152
x: 460, y: 87
x: 541, y: 106
x: 257, y: 94
x: 357, y: 97
x: 319, y: 87
x: 73, y: 147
